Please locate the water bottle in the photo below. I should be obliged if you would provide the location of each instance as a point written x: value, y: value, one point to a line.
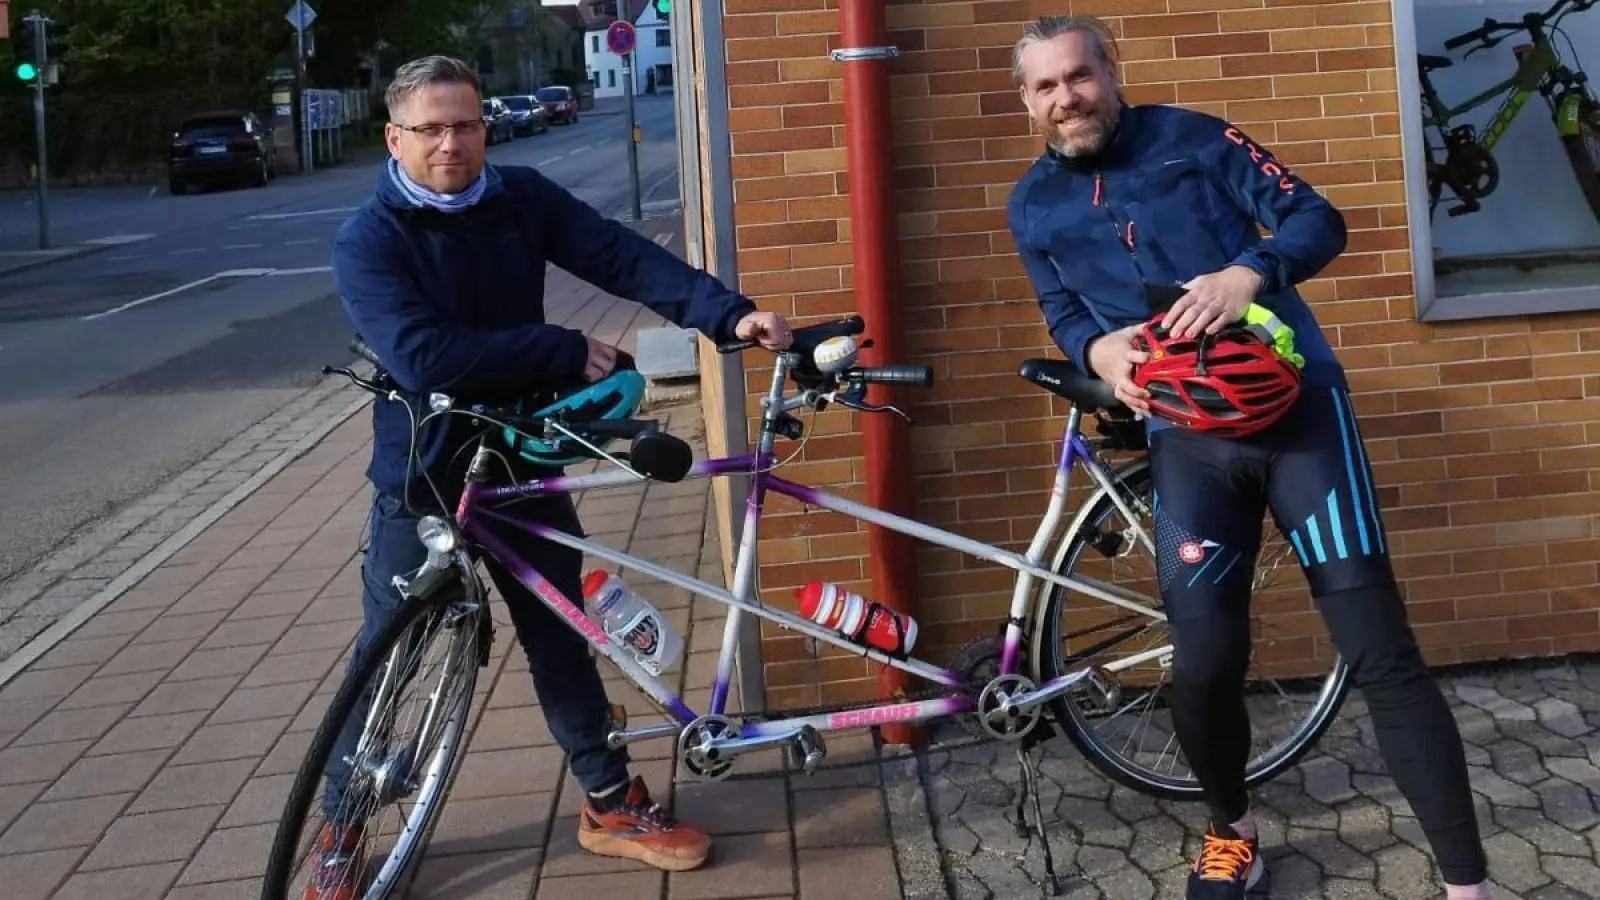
x: 858, y: 619
x: 631, y: 621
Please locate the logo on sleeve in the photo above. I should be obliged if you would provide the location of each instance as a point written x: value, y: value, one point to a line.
x: 1263, y: 160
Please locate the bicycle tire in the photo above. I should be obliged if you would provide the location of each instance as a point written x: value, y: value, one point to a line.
x: 309, y: 777
x: 1136, y: 477
x: 1585, y: 167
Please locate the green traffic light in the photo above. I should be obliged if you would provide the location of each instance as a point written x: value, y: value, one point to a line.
x: 663, y: 6
x: 27, y: 71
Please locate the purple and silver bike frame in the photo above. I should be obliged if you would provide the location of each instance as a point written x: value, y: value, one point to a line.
x: 479, y: 522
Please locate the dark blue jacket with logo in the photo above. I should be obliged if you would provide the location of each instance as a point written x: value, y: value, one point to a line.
x: 455, y: 302
x: 1175, y: 194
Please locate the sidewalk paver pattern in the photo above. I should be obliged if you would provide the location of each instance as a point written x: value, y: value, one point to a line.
x: 148, y: 755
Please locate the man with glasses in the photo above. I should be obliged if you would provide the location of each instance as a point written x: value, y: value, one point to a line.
x: 442, y: 272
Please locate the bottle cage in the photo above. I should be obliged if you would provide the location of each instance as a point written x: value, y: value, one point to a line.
x: 617, y: 396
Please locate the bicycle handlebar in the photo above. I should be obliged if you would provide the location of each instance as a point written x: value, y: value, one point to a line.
x: 622, y: 429
x: 1491, y: 26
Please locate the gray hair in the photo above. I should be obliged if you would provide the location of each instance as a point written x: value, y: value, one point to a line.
x: 420, y: 73
x: 1050, y: 27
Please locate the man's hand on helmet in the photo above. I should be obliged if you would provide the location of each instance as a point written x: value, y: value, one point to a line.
x: 1113, y: 357
x: 1212, y: 301
x: 602, y: 359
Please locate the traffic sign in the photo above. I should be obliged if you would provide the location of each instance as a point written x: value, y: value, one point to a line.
x: 620, y: 37
x: 301, y: 15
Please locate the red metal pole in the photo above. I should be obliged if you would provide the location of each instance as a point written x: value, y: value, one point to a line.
x: 873, y: 247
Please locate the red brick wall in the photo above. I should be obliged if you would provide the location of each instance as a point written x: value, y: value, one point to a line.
x: 1482, y: 432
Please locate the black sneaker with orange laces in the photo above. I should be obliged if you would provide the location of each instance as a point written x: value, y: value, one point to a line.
x: 1226, y: 866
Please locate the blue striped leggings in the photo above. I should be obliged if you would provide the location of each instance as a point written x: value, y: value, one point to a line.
x: 1311, y: 471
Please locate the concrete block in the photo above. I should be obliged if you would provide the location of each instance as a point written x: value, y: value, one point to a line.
x: 667, y: 352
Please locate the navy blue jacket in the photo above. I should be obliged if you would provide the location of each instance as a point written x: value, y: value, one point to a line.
x: 1174, y: 195
x: 454, y: 302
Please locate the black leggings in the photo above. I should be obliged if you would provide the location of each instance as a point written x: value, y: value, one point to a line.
x: 1311, y: 471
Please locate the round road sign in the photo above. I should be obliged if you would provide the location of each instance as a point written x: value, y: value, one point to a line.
x: 620, y: 37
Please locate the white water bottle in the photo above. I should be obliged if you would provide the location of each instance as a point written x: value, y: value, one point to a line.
x: 631, y: 621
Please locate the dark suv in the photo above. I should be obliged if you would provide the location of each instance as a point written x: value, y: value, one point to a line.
x: 221, y: 146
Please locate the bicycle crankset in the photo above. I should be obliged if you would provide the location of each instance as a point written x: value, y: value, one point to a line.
x: 1469, y: 170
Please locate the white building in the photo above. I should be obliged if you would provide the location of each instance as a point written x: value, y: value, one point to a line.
x: 652, y: 55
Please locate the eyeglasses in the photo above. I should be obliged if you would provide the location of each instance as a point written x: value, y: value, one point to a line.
x: 436, y: 131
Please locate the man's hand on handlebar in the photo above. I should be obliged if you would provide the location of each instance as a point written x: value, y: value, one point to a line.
x: 768, y: 329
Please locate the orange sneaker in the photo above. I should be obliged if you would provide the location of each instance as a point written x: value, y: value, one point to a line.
x: 638, y: 828
x: 338, y: 865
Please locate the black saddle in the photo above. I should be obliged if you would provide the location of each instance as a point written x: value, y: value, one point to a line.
x: 1063, y: 379
x: 1429, y: 63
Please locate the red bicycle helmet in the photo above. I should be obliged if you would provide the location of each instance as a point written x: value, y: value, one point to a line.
x: 1229, y: 384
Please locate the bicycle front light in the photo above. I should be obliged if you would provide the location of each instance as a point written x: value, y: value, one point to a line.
x: 436, y: 534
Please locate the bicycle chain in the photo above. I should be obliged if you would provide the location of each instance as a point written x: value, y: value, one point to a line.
x: 971, y: 686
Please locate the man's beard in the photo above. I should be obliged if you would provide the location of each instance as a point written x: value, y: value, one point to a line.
x: 1085, y: 142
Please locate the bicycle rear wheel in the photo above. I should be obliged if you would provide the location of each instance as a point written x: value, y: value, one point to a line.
x: 388, y: 766
x: 1091, y: 716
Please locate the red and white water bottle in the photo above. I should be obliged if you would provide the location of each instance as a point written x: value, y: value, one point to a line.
x: 858, y: 619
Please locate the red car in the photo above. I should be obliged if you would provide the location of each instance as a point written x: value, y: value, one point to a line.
x: 560, y: 104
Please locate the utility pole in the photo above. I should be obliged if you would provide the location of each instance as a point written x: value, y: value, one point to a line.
x: 633, y: 137
x: 621, y: 39
x: 33, y: 63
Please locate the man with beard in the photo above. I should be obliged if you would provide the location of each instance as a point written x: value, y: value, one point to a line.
x: 1127, y: 206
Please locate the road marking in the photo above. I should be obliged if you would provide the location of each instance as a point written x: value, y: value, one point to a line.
x: 127, y: 256
x: 152, y: 193
x: 114, y: 240
x: 546, y: 162
x: 309, y: 212
x: 242, y: 227
x: 184, y: 250
x: 664, y: 238
x: 241, y: 246
x: 230, y: 273
x: 301, y: 241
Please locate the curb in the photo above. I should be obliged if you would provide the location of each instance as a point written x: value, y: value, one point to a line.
x: 63, y: 627
x: 77, y: 251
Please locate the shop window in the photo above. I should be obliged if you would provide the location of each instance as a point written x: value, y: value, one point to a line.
x: 1518, y: 165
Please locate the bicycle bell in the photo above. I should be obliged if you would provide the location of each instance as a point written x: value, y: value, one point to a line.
x: 835, y: 354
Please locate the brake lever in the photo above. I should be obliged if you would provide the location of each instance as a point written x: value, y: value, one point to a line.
x: 852, y: 399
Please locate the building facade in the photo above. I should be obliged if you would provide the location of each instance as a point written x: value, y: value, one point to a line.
x: 1472, y: 342
x: 651, y: 58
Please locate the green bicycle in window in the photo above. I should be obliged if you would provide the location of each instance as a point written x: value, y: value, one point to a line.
x: 1469, y: 168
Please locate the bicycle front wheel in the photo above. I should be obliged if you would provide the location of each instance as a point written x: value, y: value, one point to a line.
x: 1119, y: 719
x: 405, y: 758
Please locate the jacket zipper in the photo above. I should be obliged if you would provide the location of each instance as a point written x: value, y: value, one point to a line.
x: 1124, y: 233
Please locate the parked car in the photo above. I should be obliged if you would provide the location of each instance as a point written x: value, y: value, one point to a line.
x: 497, y: 121
x: 527, y: 115
x: 226, y: 145
x: 559, y: 102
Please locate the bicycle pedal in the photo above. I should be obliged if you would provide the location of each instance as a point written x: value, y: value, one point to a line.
x: 619, y: 718
x: 807, y: 750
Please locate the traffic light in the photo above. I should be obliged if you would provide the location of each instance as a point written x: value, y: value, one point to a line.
x: 24, y: 45
x: 663, y: 8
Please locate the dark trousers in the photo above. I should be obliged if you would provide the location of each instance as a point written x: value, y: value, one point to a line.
x: 565, y: 677
x: 1310, y: 470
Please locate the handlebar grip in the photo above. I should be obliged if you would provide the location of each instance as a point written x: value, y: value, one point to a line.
x: 921, y: 376
x: 1461, y: 40
x: 623, y: 429
x: 362, y: 350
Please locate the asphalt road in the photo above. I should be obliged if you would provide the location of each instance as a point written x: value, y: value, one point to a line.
x: 206, y: 313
